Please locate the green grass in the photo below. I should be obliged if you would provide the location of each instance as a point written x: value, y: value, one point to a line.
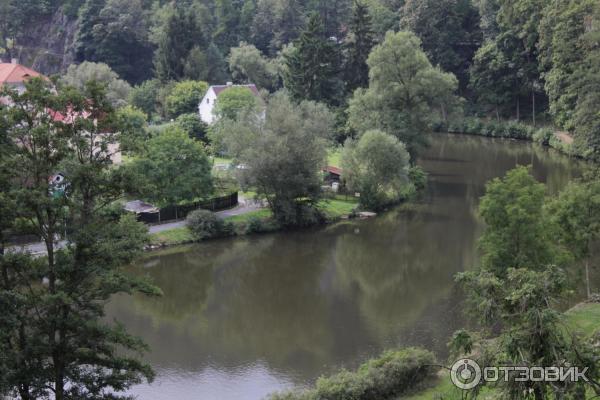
x: 584, y: 318
x: 337, y: 207
x: 334, y: 157
x: 172, y: 237
x: 221, y: 160
x: 243, y: 218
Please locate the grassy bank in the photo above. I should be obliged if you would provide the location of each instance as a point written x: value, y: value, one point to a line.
x: 544, y: 136
x: 333, y: 209
x: 583, y: 319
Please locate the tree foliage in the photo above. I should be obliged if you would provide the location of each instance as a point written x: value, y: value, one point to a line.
x: 234, y: 101
x: 404, y: 89
x: 282, y: 155
x: 376, y: 166
x: 117, y: 90
x: 312, y: 66
x: 184, y: 97
x: 449, y: 31
x: 56, y: 341
x: 173, y: 169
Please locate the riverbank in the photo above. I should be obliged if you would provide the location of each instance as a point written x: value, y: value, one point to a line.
x: 254, y: 221
x: 545, y: 136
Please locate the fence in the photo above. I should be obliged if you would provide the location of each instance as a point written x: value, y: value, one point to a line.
x: 176, y: 212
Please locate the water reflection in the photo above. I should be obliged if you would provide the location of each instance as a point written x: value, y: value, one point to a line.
x: 243, y: 317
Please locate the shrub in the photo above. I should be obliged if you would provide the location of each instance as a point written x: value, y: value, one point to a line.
x: 417, y: 176
x: 392, y: 374
x: 205, y: 224
x: 193, y: 126
x: 255, y: 225
x: 543, y: 136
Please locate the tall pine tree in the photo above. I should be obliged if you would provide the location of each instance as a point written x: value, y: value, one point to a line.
x: 312, y: 66
x: 359, y: 45
x: 180, y: 35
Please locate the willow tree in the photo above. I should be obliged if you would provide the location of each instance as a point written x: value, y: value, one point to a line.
x: 404, y: 92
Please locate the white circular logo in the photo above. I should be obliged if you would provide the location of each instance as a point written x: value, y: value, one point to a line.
x: 465, y: 374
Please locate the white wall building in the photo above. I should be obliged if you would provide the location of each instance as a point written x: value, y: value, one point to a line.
x: 207, y: 105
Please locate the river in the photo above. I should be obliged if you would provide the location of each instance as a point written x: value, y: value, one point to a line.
x: 243, y: 317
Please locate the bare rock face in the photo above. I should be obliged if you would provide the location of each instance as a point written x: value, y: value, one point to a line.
x: 47, y: 44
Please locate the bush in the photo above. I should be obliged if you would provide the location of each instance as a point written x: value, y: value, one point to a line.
x: 193, y: 126
x: 205, y: 224
x: 417, y: 176
x: 392, y: 374
x: 543, y: 136
x: 255, y: 225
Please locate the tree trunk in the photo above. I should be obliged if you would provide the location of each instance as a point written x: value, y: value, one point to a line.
x: 533, y: 105
x: 518, y: 109
x: 497, y: 114
x: 587, y: 278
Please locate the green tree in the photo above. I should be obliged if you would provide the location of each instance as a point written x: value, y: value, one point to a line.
x: 193, y: 126
x: 57, y: 343
x: 248, y: 65
x: 312, y: 66
x: 184, y: 97
x: 377, y: 167
x: 179, y: 34
x: 358, y: 46
x: 134, y: 129
x: 235, y: 100
x: 518, y: 233
x: 283, y: 156
x: 449, y: 32
x: 174, y: 169
x: 217, y: 65
x: 404, y: 89
x: 517, y: 288
x: 144, y: 95
x: 118, y: 37
x: 492, y: 77
x: 577, y: 211
x: 117, y: 90
x: 227, y: 33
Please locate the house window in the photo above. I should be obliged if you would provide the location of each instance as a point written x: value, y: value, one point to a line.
x: 207, y: 101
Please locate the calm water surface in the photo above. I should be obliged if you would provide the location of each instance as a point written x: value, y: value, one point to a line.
x: 244, y: 317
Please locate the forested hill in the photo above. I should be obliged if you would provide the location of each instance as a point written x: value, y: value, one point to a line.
x: 530, y: 60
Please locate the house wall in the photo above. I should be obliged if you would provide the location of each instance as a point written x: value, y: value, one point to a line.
x: 206, y: 106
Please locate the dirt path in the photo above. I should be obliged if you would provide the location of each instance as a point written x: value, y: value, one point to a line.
x: 564, y: 137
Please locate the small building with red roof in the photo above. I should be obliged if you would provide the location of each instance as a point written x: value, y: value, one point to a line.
x: 15, y: 75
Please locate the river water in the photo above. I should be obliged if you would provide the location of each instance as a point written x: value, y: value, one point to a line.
x: 243, y: 317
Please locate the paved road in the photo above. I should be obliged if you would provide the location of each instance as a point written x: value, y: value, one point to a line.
x: 245, y: 206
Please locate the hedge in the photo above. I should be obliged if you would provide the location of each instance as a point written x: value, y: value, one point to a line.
x: 394, y: 373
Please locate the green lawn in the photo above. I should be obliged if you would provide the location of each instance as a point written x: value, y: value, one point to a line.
x: 221, y: 160
x: 172, y: 237
x: 584, y: 318
x: 243, y: 218
x: 338, y: 207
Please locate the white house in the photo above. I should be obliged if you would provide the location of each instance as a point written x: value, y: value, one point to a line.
x: 207, y: 105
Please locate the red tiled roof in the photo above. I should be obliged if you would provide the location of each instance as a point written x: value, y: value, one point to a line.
x: 16, y: 73
x: 333, y: 170
x: 219, y: 88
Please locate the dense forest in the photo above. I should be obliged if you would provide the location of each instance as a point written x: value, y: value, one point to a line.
x: 529, y: 60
